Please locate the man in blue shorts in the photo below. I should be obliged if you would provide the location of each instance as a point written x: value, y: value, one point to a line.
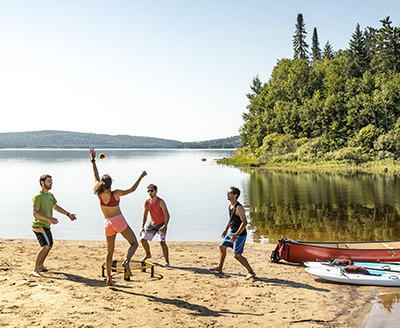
x: 43, y: 204
x: 236, y: 237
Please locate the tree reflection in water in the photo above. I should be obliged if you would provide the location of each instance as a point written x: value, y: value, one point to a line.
x: 315, y: 205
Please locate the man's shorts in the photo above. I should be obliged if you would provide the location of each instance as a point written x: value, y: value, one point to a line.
x: 114, y: 225
x: 238, y: 245
x: 43, y: 235
x: 151, y: 230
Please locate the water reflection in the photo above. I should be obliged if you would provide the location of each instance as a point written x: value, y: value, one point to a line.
x: 385, y: 312
x: 323, y: 205
x: 388, y: 301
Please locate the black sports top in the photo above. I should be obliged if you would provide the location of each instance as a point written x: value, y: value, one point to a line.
x: 235, y: 220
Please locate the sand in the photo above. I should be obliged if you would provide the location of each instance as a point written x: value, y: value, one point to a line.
x: 73, y: 293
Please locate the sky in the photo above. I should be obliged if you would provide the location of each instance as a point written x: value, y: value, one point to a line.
x: 171, y: 69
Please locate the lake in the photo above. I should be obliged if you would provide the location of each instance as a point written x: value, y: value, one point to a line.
x: 299, y: 204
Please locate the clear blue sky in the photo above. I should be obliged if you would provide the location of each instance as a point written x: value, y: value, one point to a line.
x: 174, y: 69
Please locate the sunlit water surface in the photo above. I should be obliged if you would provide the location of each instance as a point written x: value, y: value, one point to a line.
x: 302, y: 204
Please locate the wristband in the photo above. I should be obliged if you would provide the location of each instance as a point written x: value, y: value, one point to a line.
x: 68, y: 213
x: 93, y: 160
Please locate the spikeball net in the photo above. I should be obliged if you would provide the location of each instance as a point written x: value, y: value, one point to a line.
x: 134, y: 265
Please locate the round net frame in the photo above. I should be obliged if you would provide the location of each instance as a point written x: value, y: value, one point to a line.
x: 134, y: 265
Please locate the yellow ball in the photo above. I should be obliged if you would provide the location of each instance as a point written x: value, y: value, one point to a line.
x: 102, y: 156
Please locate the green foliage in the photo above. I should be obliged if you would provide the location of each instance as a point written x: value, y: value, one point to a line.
x: 315, y: 49
x: 64, y: 139
x: 345, y: 107
x: 232, y: 142
x: 300, y: 46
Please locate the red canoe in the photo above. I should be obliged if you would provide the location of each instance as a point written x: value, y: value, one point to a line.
x: 363, y: 251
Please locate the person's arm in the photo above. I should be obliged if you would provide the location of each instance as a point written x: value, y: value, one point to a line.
x: 59, y: 209
x: 144, y: 219
x: 39, y: 215
x: 167, y: 217
x: 242, y: 215
x: 226, y: 229
x: 94, y: 166
x: 122, y: 192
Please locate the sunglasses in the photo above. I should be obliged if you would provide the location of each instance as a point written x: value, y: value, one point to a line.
x: 230, y: 192
x: 150, y: 190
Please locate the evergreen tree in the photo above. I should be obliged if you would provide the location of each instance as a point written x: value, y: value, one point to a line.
x: 386, y: 48
x: 358, y: 53
x: 328, y: 52
x: 300, y: 46
x: 316, y: 50
x: 256, y: 87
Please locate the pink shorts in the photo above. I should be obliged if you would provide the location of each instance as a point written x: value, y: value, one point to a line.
x: 114, y: 225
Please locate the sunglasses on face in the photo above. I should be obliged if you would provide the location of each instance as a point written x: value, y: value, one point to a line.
x: 229, y: 192
x: 150, y: 190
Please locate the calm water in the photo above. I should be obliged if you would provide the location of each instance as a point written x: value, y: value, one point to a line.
x: 323, y: 206
x: 303, y: 205
x: 195, y: 191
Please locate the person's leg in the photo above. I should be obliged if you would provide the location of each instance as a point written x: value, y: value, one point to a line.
x: 238, y: 248
x: 246, y: 264
x: 165, y: 252
x: 146, y: 247
x: 129, y: 235
x: 109, y: 257
x: 222, y: 256
x: 40, y: 258
x: 148, y: 235
x: 45, y: 238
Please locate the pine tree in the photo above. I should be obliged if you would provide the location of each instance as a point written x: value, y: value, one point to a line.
x: 328, y: 52
x: 358, y: 52
x: 316, y: 50
x: 256, y: 87
x: 386, y: 47
x: 300, y: 46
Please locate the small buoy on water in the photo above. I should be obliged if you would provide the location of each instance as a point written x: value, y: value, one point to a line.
x: 203, y: 159
x: 102, y: 156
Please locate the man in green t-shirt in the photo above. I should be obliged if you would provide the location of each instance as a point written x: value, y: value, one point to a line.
x: 43, y: 204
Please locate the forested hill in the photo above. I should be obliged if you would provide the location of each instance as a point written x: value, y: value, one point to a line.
x: 232, y: 142
x: 64, y: 139
x: 328, y: 106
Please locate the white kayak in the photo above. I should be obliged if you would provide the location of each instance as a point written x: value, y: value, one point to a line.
x: 338, y: 274
x: 387, y: 266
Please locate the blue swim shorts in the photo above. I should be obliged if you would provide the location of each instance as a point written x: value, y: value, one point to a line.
x: 238, y: 245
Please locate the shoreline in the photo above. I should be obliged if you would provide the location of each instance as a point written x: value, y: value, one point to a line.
x: 187, y: 294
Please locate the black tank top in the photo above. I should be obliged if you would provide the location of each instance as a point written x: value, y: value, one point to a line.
x: 235, y: 220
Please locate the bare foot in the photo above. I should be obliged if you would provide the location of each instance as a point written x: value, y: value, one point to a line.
x: 109, y: 282
x: 127, y: 268
x: 36, y: 274
x: 216, y: 269
x: 146, y: 258
x: 250, y: 275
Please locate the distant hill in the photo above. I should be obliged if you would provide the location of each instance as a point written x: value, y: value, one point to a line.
x: 232, y: 142
x: 64, y: 139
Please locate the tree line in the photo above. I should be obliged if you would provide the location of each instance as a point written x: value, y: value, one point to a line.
x: 326, y: 105
x: 232, y: 142
x: 66, y: 139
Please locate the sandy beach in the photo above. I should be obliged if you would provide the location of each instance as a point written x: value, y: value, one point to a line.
x: 73, y: 292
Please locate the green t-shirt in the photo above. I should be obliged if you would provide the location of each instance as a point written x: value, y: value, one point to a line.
x: 45, y: 203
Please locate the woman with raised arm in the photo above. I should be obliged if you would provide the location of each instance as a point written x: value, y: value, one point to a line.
x: 114, y: 221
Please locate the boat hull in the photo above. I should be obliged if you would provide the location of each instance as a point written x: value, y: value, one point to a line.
x: 384, y: 266
x: 300, y: 251
x: 335, y: 274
